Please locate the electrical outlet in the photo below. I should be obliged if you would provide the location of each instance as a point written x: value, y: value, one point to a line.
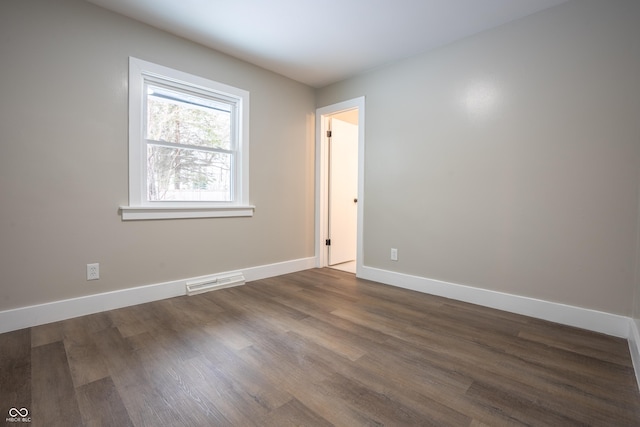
x: 394, y: 254
x: 93, y: 271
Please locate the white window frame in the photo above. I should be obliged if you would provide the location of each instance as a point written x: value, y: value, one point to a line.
x: 139, y: 207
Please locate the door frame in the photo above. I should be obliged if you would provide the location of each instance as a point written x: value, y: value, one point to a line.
x: 322, y: 176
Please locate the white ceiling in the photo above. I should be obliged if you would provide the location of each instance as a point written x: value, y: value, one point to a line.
x: 321, y: 42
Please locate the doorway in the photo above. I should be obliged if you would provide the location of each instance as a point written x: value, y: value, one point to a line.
x: 339, y: 185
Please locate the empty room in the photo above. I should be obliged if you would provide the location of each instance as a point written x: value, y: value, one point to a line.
x: 355, y: 212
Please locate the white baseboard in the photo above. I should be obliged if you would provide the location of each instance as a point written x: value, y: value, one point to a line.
x: 598, y: 321
x: 634, y: 348
x: 593, y: 320
x: 25, y: 317
x: 610, y: 324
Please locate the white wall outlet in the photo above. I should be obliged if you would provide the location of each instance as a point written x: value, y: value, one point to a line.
x: 394, y: 254
x: 93, y: 271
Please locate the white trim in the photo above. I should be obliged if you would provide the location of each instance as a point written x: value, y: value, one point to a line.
x: 139, y: 72
x: 25, y: 317
x: 598, y: 321
x: 634, y: 348
x: 322, y: 158
x: 150, y: 212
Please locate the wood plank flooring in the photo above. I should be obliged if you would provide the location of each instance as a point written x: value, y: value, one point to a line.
x: 315, y: 348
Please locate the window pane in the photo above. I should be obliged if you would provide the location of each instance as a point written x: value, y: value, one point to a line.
x: 188, y: 175
x: 182, y: 118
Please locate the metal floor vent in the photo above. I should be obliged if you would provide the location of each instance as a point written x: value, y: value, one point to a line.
x: 213, y: 283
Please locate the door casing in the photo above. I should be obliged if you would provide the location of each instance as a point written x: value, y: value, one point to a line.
x: 322, y: 162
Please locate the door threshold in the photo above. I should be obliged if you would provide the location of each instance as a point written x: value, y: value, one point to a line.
x: 349, y: 267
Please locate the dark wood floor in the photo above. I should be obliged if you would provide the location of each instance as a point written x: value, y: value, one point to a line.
x: 315, y: 348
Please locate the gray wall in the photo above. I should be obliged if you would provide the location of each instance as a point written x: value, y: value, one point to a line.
x: 635, y: 315
x: 509, y: 160
x: 63, y: 159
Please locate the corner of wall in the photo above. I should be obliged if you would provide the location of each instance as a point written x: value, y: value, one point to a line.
x: 634, y: 348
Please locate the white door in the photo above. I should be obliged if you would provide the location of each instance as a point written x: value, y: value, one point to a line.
x: 343, y: 191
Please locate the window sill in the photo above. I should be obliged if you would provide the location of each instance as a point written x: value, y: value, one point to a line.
x: 132, y: 213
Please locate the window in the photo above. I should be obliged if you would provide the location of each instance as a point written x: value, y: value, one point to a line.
x: 188, y: 146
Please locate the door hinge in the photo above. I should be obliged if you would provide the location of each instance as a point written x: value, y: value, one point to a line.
x: 328, y: 134
x: 327, y: 242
